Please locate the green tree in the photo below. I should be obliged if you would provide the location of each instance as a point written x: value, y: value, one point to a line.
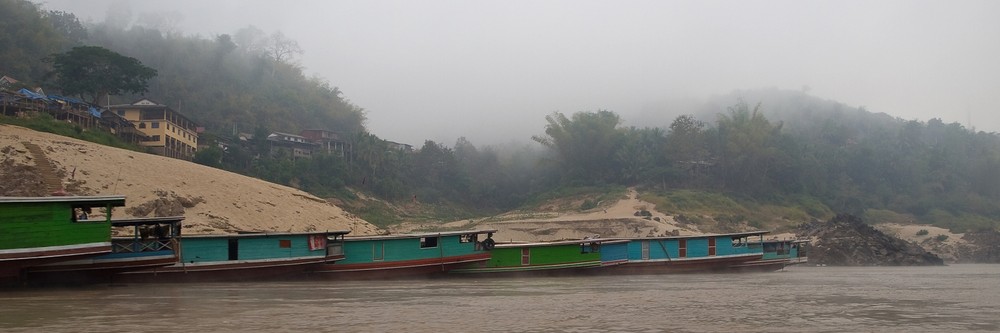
x: 585, y: 145
x: 25, y: 38
x: 69, y: 26
x: 686, y: 149
x: 210, y: 156
x: 686, y: 140
x: 747, y: 148
x: 93, y: 71
x: 640, y: 155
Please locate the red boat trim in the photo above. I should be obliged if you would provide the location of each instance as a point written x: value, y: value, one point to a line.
x: 55, y: 251
x: 114, y: 264
x: 335, y: 268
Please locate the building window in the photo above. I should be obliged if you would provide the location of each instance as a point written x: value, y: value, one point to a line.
x: 156, y: 138
x: 142, y: 125
x: 121, y: 113
x: 155, y: 124
x: 427, y: 242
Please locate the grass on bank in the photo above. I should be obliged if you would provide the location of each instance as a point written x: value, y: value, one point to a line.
x: 45, y: 123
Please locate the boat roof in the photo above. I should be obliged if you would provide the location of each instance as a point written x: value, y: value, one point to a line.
x: 116, y: 200
x: 146, y: 221
x: 562, y: 242
x: 426, y: 234
x: 734, y: 234
x: 786, y: 241
x: 268, y: 234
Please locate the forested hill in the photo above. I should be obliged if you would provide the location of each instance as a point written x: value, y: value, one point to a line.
x: 246, y: 81
x: 243, y: 80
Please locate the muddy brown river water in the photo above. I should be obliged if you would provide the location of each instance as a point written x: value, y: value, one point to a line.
x: 798, y: 299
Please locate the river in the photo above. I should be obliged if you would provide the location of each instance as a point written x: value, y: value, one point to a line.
x: 797, y: 299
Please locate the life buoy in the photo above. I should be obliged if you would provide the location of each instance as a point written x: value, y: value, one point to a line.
x: 488, y: 244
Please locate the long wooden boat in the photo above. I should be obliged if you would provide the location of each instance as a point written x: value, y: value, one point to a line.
x: 777, y: 254
x: 152, y: 244
x: 682, y: 254
x: 40, y: 230
x: 398, y: 256
x: 245, y: 257
x: 541, y: 258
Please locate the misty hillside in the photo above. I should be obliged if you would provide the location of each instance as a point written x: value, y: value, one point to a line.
x: 231, y: 82
x: 764, y: 158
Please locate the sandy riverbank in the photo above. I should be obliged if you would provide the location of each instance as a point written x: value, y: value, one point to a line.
x: 220, y: 201
x: 614, y: 220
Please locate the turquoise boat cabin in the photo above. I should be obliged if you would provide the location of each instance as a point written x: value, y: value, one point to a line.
x: 394, y: 256
x: 246, y: 256
x: 777, y: 254
x: 793, y: 251
x: 678, y: 254
x: 40, y: 230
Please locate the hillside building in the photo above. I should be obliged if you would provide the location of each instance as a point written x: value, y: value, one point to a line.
x: 399, y: 146
x: 328, y: 142
x: 167, y: 132
x: 291, y: 145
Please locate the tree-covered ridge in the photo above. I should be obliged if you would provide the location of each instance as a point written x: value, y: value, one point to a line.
x: 229, y: 87
x: 27, y: 35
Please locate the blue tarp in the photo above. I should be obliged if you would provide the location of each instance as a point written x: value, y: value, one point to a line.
x: 67, y: 99
x: 31, y: 94
x: 95, y: 112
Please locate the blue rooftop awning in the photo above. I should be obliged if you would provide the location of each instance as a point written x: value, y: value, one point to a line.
x: 31, y: 94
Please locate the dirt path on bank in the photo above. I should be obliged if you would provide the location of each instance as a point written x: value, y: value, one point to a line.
x: 614, y: 220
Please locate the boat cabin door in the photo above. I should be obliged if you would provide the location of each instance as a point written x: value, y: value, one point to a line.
x: 378, y: 251
x: 234, y: 249
x: 645, y: 250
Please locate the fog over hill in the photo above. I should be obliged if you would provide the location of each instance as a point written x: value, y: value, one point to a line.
x: 492, y: 70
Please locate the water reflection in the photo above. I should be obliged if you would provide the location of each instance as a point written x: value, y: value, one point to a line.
x: 818, y: 299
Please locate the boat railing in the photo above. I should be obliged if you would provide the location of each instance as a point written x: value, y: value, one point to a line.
x: 140, y: 245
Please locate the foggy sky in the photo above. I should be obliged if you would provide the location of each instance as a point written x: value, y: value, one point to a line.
x: 492, y: 70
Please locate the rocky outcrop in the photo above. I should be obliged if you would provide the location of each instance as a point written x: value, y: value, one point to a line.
x: 847, y: 241
x: 986, y: 247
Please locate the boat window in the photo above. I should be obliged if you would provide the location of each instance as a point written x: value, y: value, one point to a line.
x: 740, y: 241
x: 426, y: 242
x: 770, y: 247
x: 334, y: 248
x: 81, y: 213
x: 285, y: 243
x: 468, y: 238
